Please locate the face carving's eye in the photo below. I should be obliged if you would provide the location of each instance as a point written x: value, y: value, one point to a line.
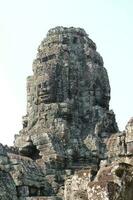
x: 45, y: 84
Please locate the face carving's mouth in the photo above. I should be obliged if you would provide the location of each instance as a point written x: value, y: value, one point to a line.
x: 44, y: 97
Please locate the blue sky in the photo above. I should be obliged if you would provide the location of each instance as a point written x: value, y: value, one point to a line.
x: 24, y: 23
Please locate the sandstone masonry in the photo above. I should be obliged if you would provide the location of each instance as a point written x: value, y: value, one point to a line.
x: 70, y: 147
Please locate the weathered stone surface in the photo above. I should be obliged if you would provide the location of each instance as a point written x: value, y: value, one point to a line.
x: 68, y: 115
x: 70, y: 147
x: 7, y: 187
x: 112, y: 182
x: 4, y: 160
x: 42, y: 198
x: 120, y: 145
x: 68, y: 119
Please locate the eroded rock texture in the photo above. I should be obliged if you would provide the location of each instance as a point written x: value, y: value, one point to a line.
x: 68, y: 115
x: 70, y: 147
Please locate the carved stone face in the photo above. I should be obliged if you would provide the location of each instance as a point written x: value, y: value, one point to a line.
x: 102, y: 98
x: 43, y: 89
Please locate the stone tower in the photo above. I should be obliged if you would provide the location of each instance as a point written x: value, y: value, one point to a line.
x: 70, y: 147
x: 68, y: 118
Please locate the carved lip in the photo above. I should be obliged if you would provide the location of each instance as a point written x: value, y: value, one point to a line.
x: 43, y: 93
x: 44, y: 98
